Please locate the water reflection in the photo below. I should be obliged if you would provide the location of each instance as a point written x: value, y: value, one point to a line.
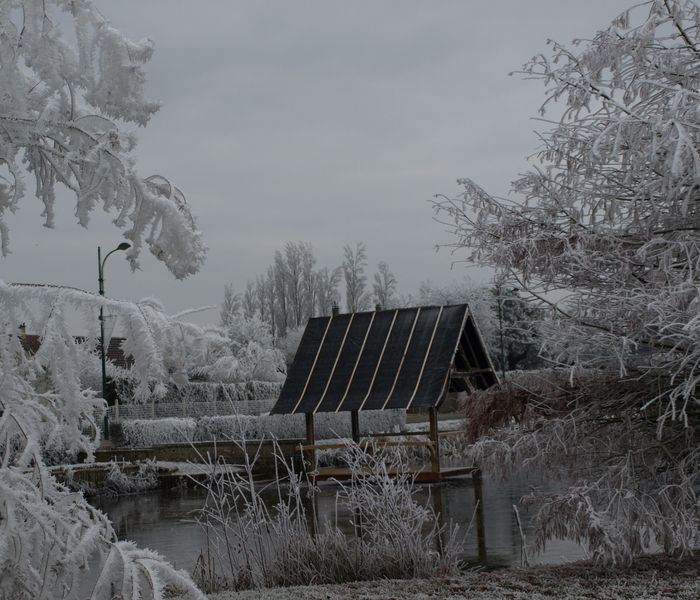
x: 163, y: 521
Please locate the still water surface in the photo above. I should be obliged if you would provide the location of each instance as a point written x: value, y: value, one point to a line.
x: 163, y: 521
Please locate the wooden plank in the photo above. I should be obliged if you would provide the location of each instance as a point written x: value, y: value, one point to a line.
x: 400, y: 433
x: 452, y: 432
x: 422, y: 474
x: 367, y: 443
x: 470, y: 372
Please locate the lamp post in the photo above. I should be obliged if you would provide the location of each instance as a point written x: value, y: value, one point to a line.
x: 103, y: 351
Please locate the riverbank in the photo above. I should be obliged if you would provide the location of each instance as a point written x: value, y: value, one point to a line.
x: 654, y: 577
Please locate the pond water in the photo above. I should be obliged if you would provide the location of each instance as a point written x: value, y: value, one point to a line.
x: 163, y: 520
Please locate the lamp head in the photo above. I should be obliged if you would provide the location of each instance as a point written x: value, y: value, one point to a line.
x: 124, y: 246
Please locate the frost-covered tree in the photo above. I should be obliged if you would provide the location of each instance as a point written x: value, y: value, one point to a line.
x: 281, y: 278
x: 605, y: 231
x: 249, y: 352
x: 354, y: 265
x: 297, y: 265
x: 289, y: 344
x: 265, y: 292
x: 309, y: 285
x: 252, y: 346
x: 456, y: 292
x: 230, y: 305
x: 508, y: 324
x: 65, y: 104
x: 289, y: 293
x: 51, y: 540
x: 327, y: 295
x: 248, y: 302
x: 63, y: 112
x: 518, y: 322
x: 384, y: 285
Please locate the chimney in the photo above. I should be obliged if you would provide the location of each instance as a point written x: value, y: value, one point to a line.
x: 377, y: 307
x: 335, y: 311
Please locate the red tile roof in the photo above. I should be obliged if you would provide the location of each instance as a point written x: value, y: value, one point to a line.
x: 115, y: 354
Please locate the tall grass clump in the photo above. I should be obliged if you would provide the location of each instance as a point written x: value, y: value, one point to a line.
x: 252, y: 544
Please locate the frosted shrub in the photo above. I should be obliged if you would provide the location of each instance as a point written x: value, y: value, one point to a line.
x: 118, y: 482
x: 151, y: 432
x: 251, y: 546
x: 197, y: 399
x: 627, y: 490
x: 227, y: 427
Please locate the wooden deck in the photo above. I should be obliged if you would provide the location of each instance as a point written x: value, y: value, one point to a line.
x: 422, y: 474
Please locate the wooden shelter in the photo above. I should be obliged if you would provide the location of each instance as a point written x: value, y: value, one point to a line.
x: 406, y: 358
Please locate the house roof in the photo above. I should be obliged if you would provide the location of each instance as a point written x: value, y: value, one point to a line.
x: 31, y: 344
x: 402, y: 358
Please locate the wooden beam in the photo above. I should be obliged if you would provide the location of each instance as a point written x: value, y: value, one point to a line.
x: 470, y: 372
x: 367, y: 444
x: 396, y: 434
x: 311, y: 441
x: 480, y: 529
x: 462, y: 352
x: 474, y: 358
x: 435, y: 439
x: 355, y: 425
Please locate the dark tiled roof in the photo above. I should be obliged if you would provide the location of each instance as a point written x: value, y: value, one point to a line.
x: 403, y: 358
x: 115, y: 354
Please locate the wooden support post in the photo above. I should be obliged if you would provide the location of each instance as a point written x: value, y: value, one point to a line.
x: 435, y: 438
x: 355, y: 423
x: 438, y: 509
x: 480, y: 530
x: 310, y: 441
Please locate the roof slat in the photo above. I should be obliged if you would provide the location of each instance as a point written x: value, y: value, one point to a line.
x: 349, y: 354
x: 323, y: 369
x: 304, y: 361
x: 416, y: 353
x: 392, y: 359
x: 442, y: 354
x: 369, y: 361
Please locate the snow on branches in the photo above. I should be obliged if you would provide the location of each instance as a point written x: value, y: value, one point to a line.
x: 47, y: 533
x: 604, y: 231
x: 605, y: 228
x: 62, y: 116
x: 627, y: 491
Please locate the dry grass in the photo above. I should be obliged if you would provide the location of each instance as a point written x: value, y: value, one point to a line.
x: 252, y: 545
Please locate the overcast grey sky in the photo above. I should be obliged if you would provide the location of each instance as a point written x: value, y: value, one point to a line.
x: 324, y: 121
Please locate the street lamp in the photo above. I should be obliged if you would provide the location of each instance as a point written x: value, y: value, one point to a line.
x: 103, y: 352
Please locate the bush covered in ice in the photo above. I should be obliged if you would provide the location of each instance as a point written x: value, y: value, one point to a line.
x: 152, y: 432
x: 196, y: 391
x: 119, y: 482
